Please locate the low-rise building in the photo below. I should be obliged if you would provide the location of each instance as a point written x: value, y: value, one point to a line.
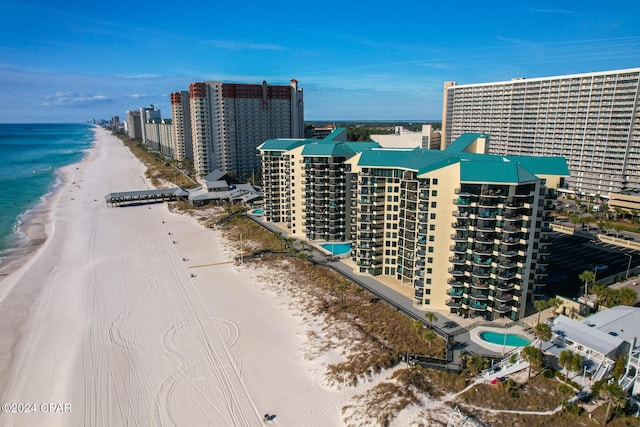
x: 600, y: 339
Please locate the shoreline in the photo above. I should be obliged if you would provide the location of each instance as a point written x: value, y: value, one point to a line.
x: 105, y: 316
x: 30, y: 233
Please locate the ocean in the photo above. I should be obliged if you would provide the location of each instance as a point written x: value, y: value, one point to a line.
x: 30, y: 154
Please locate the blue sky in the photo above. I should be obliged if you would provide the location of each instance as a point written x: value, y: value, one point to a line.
x: 75, y: 61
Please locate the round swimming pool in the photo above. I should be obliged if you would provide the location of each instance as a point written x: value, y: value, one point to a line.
x: 500, y: 338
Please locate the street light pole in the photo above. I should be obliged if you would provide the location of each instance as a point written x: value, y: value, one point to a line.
x: 629, y: 266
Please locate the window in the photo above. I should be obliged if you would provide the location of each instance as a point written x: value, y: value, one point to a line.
x: 434, y: 193
x: 430, y: 260
x: 432, y: 216
x: 433, y: 204
x: 430, y: 249
x: 429, y: 271
x: 432, y: 238
x: 434, y: 181
x: 432, y: 227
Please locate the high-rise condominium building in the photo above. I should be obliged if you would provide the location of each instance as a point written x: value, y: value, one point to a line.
x: 593, y: 120
x: 463, y: 231
x: 229, y: 121
x: 181, y: 125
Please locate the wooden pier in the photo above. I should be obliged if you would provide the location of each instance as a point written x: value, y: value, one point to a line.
x: 146, y: 196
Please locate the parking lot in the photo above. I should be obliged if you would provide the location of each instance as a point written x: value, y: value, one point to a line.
x: 571, y: 255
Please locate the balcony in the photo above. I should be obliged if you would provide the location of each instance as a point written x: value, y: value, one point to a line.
x: 456, y: 292
x: 506, y: 274
x: 479, y: 296
x: 454, y: 303
x: 502, y: 308
x: 505, y: 286
x: 460, y: 236
x: 459, y: 248
x: 503, y: 297
x: 457, y: 270
x: 476, y: 284
x: 507, y: 263
x: 483, y: 250
x: 458, y: 259
x: 460, y: 225
x: 484, y: 237
x: 478, y: 306
x: 482, y: 261
x: 455, y: 283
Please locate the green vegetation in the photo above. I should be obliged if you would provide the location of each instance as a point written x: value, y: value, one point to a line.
x: 609, y: 297
x: 159, y: 170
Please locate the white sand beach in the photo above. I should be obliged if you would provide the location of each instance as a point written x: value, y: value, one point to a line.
x: 105, y: 324
x: 106, y: 321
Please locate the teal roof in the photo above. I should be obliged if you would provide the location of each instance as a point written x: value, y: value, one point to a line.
x: 340, y: 133
x: 498, y: 170
x: 473, y: 167
x: 281, y: 144
x: 464, y: 141
x: 331, y: 145
x: 335, y: 149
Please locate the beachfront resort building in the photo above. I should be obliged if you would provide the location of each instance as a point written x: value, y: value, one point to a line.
x: 230, y: 120
x: 464, y: 231
x: 591, y: 119
x: 134, y: 125
x: 305, y: 184
x: 181, y: 130
x: 158, y: 135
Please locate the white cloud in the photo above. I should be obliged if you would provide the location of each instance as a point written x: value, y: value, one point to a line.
x: 240, y: 45
x: 72, y: 99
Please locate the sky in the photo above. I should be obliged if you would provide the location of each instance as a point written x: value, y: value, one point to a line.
x: 73, y: 61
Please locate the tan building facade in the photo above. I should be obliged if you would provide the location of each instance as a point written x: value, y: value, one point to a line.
x: 468, y: 233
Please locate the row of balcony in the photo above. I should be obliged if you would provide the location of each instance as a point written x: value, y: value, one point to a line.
x: 480, y: 306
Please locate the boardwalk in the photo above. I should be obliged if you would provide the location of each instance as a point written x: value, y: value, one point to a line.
x: 145, y: 196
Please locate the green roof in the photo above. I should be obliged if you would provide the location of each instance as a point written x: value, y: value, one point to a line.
x: 464, y: 141
x: 281, y: 144
x: 473, y: 167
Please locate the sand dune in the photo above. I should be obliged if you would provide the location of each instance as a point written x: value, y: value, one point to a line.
x: 106, y: 322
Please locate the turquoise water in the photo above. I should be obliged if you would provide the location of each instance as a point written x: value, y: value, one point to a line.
x: 30, y: 154
x: 514, y: 340
x: 337, y: 248
x: 257, y: 212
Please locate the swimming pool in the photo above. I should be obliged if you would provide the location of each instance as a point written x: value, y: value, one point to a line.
x: 500, y: 338
x: 257, y: 212
x: 337, y: 248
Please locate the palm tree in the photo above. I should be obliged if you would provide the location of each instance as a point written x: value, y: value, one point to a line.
x: 587, y: 277
x: 431, y: 317
x: 478, y: 363
x: 543, y: 332
x: 570, y: 361
x: 614, y: 395
x: 540, y: 305
x: 534, y: 356
x: 430, y: 336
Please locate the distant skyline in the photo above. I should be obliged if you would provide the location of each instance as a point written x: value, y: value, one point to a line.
x: 77, y: 61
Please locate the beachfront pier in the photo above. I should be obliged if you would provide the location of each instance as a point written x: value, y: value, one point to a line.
x: 146, y: 196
